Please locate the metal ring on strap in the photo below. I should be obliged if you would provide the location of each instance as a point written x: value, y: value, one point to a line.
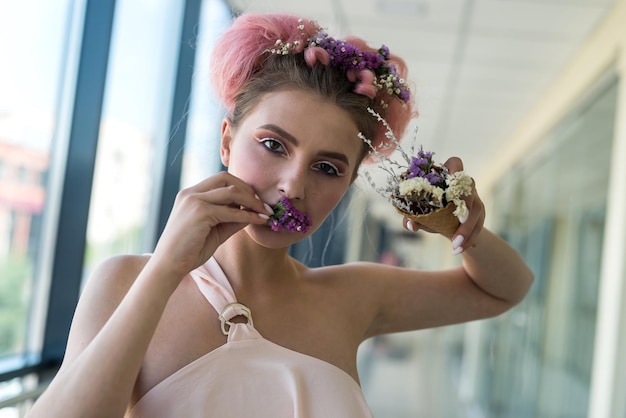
x: 232, y: 310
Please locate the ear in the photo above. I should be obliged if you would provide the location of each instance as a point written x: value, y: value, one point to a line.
x: 227, y: 137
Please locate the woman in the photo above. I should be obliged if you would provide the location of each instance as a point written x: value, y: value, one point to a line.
x: 219, y: 320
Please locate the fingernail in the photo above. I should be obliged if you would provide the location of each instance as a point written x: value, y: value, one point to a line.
x: 457, y: 241
x: 257, y: 197
x: 463, y: 218
x: 409, y: 225
x: 457, y: 251
x: 268, y: 208
x: 264, y: 216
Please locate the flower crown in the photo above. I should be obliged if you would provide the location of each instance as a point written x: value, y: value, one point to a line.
x: 370, y: 70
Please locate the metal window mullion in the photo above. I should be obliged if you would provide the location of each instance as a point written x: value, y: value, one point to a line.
x: 70, y: 243
x: 178, y: 118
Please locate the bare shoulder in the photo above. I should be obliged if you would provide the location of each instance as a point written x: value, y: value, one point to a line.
x: 360, y: 273
x: 403, y: 299
x: 103, y: 292
x: 117, y: 273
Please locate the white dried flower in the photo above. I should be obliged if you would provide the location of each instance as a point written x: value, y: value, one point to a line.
x: 459, y: 185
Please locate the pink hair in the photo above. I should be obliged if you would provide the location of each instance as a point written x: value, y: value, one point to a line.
x: 242, y: 50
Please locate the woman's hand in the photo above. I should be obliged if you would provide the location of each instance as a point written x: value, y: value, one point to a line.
x: 203, y: 217
x: 466, y: 234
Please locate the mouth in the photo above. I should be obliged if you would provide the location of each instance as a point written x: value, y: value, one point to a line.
x: 287, y: 217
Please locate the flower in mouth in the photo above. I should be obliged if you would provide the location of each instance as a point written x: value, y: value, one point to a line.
x: 287, y: 217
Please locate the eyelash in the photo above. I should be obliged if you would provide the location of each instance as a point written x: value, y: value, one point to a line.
x: 272, y: 141
x: 324, y: 167
x: 334, y: 171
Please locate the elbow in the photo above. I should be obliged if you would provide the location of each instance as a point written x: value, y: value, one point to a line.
x: 524, y: 282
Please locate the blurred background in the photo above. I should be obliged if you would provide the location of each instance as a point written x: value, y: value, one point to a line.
x: 105, y: 113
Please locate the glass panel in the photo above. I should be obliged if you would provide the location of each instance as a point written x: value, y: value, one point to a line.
x: 552, y: 209
x: 134, y: 127
x: 32, y: 144
x: 202, y: 158
x: 29, y: 108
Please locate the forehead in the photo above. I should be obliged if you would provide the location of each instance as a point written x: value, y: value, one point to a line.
x: 308, y: 117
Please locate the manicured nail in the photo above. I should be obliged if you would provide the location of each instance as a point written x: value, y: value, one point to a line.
x: 409, y: 225
x: 463, y: 218
x: 264, y: 216
x: 268, y: 208
x: 457, y: 251
x: 457, y: 241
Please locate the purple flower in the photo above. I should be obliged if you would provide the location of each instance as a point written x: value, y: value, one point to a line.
x: 287, y: 217
x: 423, y: 166
x: 348, y: 57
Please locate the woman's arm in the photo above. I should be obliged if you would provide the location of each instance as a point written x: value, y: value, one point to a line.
x: 112, y: 328
x: 492, y: 279
x: 123, y: 303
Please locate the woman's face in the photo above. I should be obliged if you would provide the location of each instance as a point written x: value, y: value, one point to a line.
x: 293, y: 144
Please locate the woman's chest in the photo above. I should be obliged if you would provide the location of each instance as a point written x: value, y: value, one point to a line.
x: 307, y: 323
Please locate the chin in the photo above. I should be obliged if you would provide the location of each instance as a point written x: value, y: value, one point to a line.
x: 265, y: 237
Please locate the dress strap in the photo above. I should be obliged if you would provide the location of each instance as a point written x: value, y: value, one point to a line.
x: 214, y: 285
x: 216, y: 288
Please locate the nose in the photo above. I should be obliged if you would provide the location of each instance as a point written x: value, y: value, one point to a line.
x: 293, y: 184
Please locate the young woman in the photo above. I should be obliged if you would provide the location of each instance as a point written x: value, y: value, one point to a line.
x: 220, y: 321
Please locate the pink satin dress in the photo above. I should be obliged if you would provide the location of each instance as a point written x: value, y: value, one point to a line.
x: 250, y: 376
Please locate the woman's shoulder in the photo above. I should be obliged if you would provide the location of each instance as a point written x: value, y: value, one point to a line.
x: 110, y: 281
x: 118, y: 272
x: 352, y: 270
x: 105, y: 288
x: 352, y: 274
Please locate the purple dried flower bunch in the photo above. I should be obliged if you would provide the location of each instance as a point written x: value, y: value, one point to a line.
x: 287, y: 217
x: 422, y: 165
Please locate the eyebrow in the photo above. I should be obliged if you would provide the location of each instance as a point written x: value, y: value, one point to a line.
x: 330, y: 154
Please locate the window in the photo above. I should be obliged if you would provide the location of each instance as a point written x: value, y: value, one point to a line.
x: 538, y: 361
x: 50, y: 101
x: 134, y: 129
x: 29, y: 121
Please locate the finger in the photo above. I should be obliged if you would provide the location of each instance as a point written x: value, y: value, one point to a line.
x: 226, y: 214
x: 222, y: 179
x: 236, y: 197
x: 454, y: 164
x: 470, y: 202
x: 232, y: 191
x: 466, y: 234
x: 409, y: 225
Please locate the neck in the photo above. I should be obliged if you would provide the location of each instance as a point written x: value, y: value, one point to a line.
x: 247, y: 264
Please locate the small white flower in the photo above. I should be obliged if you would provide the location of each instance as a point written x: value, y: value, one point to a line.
x: 459, y: 185
x: 415, y: 186
x: 461, y: 208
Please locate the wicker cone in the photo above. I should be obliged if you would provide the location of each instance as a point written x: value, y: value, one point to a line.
x: 441, y: 220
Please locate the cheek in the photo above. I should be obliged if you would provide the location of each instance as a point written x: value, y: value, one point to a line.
x: 327, y: 198
x: 249, y: 166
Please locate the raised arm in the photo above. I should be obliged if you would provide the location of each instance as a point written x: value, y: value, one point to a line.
x: 124, y: 300
x: 491, y: 279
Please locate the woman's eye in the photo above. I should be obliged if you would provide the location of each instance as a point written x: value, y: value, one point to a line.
x: 273, y: 145
x: 327, y: 168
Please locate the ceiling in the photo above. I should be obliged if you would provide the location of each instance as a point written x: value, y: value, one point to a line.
x: 477, y: 65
